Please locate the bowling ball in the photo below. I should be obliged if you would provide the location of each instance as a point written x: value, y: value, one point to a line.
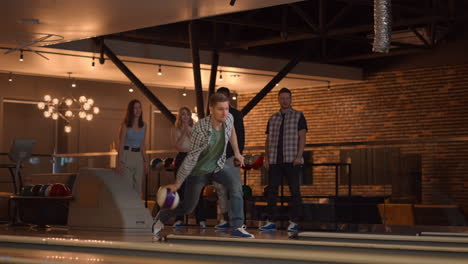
x: 58, y: 189
x: 43, y: 189
x: 156, y: 163
x: 27, y: 190
x: 247, y: 192
x: 210, y: 193
x: 167, y: 199
x: 247, y: 162
x: 168, y: 163
x: 258, y: 163
x: 35, y: 189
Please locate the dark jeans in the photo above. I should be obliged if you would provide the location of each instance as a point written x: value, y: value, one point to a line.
x: 275, y: 175
x: 201, y: 207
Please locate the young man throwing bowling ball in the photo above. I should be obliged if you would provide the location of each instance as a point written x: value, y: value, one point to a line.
x: 204, y: 162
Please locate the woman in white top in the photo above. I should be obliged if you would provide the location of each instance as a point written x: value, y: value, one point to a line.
x: 181, y: 141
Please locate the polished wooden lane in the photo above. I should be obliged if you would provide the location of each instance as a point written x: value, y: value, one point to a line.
x: 437, y: 241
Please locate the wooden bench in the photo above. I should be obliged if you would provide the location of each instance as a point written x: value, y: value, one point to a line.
x: 421, y: 214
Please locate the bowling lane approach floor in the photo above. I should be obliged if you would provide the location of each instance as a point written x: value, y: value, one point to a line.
x: 53, y: 254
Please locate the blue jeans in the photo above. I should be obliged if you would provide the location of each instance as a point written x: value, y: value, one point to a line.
x: 193, y: 188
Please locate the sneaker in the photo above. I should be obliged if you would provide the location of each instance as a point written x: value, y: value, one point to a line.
x: 293, y: 227
x: 203, y: 224
x: 157, y: 227
x: 241, y: 232
x: 268, y: 226
x: 223, y: 225
x: 178, y: 223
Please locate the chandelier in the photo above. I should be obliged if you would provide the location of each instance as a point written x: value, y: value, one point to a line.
x: 67, y: 108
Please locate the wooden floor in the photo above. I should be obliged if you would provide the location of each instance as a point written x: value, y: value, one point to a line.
x: 26, y: 244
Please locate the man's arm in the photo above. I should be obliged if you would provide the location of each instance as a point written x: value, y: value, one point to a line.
x: 240, y: 131
x: 196, y: 140
x: 235, y: 147
x: 300, y: 147
x: 266, y: 160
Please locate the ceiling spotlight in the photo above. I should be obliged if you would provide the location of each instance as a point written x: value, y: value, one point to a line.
x: 184, y: 93
x: 234, y: 97
x: 10, y: 77
x: 276, y: 84
x: 159, y: 70
x: 21, y: 58
x: 73, y: 84
x: 221, y: 75
x: 130, y: 90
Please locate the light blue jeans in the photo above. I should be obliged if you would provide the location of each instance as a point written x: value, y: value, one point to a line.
x: 193, y: 187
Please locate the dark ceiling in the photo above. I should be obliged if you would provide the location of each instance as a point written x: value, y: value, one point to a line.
x: 336, y: 31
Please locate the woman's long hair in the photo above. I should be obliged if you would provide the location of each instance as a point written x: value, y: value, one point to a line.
x: 178, y: 122
x: 128, y: 121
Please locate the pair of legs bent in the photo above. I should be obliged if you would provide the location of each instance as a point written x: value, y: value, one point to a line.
x: 193, y: 188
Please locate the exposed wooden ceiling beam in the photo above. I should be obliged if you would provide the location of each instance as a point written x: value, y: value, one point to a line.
x: 369, y: 56
x: 305, y: 17
x: 333, y: 32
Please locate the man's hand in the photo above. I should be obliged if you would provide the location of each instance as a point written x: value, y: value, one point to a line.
x: 173, y: 187
x: 240, y: 159
x: 297, y: 161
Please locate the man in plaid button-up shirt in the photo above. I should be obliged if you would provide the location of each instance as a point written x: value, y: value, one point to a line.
x: 286, y: 133
x: 204, y: 162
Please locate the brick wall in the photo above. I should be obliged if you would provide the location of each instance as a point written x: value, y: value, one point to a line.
x: 421, y: 111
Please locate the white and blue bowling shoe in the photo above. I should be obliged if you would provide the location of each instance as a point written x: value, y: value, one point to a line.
x: 293, y: 227
x: 202, y: 224
x: 178, y: 224
x: 223, y: 225
x: 268, y: 226
x: 241, y: 232
x: 157, y: 227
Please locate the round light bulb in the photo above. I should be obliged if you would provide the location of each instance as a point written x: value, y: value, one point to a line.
x: 82, y: 99
x: 96, y: 110
x: 90, y: 101
x: 41, y: 105
x: 51, y: 109
x: 82, y: 114
x: 47, y: 98
x: 86, y: 106
x: 68, y: 101
x: 130, y: 90
x: 55, y: 101
x: 55, y: 116
x: 67, y: 129
x: 47, y: 114
x: 89, y: 117
x: 68, y: 113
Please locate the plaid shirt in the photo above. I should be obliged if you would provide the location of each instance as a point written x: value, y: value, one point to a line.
x: 290, y: 136
x: 199, y: 140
